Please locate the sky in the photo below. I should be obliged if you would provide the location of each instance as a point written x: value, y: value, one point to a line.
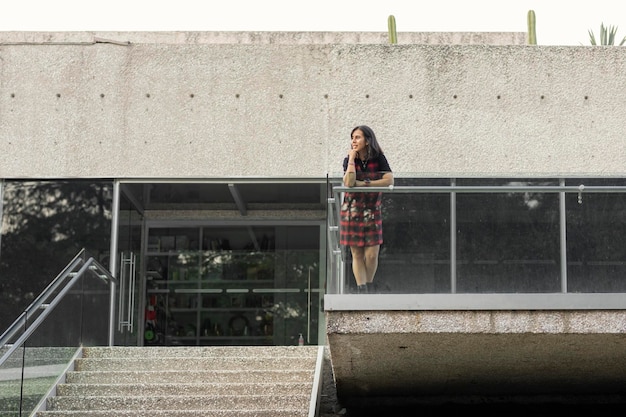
x: 559, y: 22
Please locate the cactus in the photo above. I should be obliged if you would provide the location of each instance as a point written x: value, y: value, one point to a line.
x: 532, y: 34
x: 391, y: 24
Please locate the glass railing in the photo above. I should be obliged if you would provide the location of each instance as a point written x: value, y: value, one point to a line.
x: 39, y: 346
x: 491, y: 236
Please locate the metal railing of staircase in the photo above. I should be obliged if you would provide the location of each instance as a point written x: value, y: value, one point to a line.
x: 39, y: 302
x: 38, y: 345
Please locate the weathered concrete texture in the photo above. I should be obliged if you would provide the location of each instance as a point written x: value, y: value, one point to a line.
x: 484, y: 322
x: 459, y: 354
x: 188, y: 110
x: 329, y: 405
x: 258, y: 38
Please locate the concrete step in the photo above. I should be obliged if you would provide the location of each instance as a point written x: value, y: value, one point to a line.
x: 199, y: 351
x: 165, y: 389
x: 175, y: 413
x: 183, y: 376
x: 181, y: 402
x: 194, y: 364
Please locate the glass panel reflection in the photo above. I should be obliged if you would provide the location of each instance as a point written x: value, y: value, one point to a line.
x: 45, y: 223
x: 229, y: 196
x: 508, y: 242
x: 596, y: 241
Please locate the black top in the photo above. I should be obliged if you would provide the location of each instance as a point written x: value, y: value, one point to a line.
x: 376, y: 165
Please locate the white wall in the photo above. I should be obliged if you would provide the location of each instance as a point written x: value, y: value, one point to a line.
x: 126, y: 110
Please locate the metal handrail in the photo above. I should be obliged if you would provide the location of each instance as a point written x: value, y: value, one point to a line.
x: 38, y: 302
x: 487, y: 189
x: 90, y: 265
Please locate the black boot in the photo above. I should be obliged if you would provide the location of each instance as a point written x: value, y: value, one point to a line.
x: 361, y: 289
x: 370, y: 288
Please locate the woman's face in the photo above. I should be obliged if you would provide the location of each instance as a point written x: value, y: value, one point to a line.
x: 358, y: 142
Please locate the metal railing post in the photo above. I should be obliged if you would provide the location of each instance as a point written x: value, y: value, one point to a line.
x: 562, y: 239
x: 453, y: 227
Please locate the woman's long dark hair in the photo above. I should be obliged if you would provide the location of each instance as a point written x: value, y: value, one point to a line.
x: 374, y: 148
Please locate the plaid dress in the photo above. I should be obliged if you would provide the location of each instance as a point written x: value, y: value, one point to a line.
x: 361, y: 222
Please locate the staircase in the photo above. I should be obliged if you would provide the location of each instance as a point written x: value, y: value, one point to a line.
x: 224, y: 381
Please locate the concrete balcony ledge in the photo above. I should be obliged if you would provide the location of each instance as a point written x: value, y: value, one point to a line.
x: 427, y: 348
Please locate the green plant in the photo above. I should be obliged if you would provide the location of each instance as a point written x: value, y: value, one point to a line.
x: 607, y: 35
x: 532, y: 33
x: 391, y: 25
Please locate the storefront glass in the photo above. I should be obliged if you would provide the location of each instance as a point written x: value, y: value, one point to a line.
x: 44, y: 225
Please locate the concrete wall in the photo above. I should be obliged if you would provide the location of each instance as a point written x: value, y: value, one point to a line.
x: 116, y: 109
x: 258, y: 38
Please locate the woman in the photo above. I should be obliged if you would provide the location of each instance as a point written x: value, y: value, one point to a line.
x: 361, y: 225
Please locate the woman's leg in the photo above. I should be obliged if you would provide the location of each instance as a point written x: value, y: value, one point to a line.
x: 371, y: 262
x: 359, y: 268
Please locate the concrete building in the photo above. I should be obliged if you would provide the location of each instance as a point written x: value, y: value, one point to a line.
x: 215, y: 158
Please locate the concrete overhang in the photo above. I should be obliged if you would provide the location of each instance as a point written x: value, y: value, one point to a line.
x: 473, y: 348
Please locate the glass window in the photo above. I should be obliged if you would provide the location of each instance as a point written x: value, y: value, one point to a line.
x: 232, y: 196
x: 44, y: 225
x: 255, y: 285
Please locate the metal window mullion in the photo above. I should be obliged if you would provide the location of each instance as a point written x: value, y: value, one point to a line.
x: 115, y: 209
x: 1, y: 205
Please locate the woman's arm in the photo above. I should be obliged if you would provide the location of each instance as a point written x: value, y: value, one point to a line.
x: 349, y: 177
x: 385, y: 181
